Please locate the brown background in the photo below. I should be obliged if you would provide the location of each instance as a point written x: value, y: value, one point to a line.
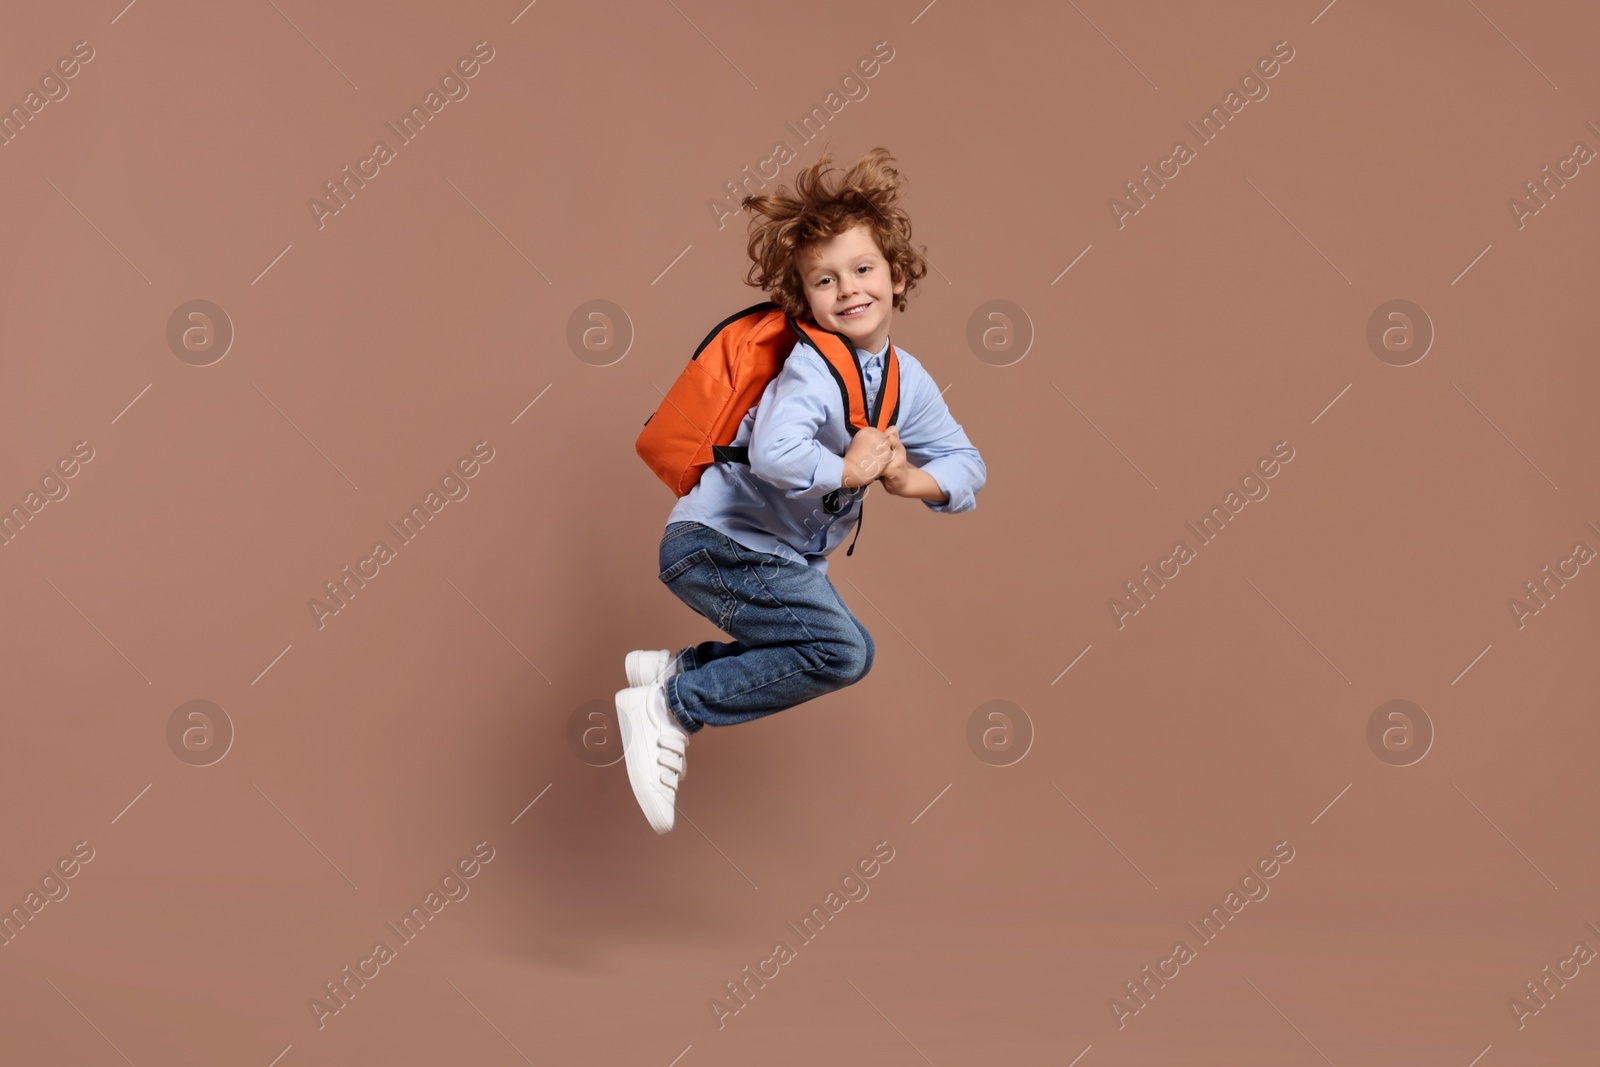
x: 1230, y: 714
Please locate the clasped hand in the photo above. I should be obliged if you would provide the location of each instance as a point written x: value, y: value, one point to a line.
x: 879, y: 456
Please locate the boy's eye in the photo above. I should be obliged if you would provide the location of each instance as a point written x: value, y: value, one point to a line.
x: 826, y: 277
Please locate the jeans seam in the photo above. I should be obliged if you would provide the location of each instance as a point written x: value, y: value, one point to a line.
x: 726, y: 622
x: 753, y: 688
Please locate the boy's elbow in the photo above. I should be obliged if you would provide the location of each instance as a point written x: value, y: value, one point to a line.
x: 980, y: 472
x: 980, y: 475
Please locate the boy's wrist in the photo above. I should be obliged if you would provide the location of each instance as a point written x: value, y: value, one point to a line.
x: 917, y: 484
x: 852, y: 476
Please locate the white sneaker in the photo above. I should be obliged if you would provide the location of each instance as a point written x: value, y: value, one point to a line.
x: 653, y: 744
x: 644, y: 667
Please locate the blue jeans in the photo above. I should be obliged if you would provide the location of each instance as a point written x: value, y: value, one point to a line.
x: 794, y: 637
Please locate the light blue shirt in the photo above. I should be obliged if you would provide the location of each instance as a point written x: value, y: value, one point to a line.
x: 797, y: 435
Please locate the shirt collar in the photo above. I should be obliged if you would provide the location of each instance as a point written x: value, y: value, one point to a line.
x: 870, y: 357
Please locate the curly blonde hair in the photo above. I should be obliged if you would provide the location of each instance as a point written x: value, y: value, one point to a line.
x: 784, y: 226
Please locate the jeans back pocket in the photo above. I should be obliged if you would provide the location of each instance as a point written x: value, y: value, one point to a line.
x: 697, y: 581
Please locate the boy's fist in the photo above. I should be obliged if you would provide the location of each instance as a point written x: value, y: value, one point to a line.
x: 868, y: 454
x: 898, y: 468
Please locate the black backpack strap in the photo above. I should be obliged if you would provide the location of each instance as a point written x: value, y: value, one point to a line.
x: 730, y: 453
x: 861, y: 517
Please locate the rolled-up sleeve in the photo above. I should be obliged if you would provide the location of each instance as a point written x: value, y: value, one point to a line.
x: 936, y: 443
x: 784, y: 450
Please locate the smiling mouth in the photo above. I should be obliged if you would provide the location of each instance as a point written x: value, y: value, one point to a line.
x: 854, y: 311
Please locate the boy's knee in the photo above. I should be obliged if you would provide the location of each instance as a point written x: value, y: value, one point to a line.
x: 849, y: 660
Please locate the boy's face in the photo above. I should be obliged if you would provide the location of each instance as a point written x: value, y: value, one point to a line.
x: 848, y: 286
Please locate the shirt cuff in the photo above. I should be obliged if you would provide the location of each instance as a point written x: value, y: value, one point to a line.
x: 829, y: 474
x: 962, y: 498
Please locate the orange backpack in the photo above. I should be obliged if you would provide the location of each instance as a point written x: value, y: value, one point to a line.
x: 701, y: 413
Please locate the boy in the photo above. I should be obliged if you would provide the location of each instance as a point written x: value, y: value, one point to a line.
x: 748, y: 546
